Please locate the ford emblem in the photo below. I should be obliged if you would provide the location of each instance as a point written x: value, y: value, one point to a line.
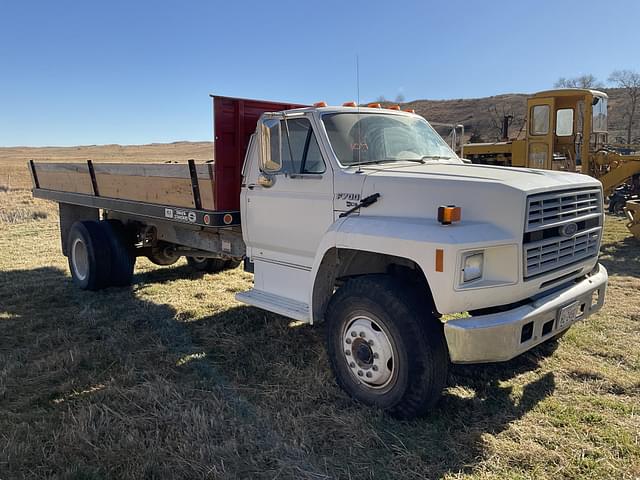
x: 569, y: 229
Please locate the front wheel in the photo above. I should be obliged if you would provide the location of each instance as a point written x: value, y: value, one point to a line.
x: 385, y: 347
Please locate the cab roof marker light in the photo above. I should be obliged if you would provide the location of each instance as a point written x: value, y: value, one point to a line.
x: 374, y: 105
x: 410, y: 110
x: 320, y: 104
x: 447, y: 214
x: 394, y: 107
x: 349, y: 104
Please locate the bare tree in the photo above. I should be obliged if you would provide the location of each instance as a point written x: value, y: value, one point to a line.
x: 381, y: 99
x: 582, y: 81
x: 497, y: 114
x: 400, y: 98
x: 629, y: 82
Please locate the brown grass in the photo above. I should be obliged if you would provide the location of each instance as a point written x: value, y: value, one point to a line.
x: 172, y: 378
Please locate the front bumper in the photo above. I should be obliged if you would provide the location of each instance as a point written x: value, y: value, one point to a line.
x: 499, y: 337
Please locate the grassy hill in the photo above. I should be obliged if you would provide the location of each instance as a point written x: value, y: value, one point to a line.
x: 475, y: 113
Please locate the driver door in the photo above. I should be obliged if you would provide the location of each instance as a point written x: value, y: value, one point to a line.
x: 289, y: 195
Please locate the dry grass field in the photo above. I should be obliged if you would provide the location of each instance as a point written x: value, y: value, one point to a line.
x: 172, y: 378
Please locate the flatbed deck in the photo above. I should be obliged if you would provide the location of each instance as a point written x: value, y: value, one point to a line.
x: 85, y: 184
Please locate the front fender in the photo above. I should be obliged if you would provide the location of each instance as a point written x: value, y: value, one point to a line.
x: 415, y: 239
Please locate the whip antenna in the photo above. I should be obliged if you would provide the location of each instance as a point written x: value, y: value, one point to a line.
x: 359, y: 140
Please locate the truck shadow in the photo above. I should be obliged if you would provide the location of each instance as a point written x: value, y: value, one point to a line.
x: 479, y: 400
x: 621, y: 257
x: 274, y: 374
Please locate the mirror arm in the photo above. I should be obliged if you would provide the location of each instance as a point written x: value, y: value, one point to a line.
x: 286, y: 126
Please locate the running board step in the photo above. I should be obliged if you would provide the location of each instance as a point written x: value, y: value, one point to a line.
x: 275, y: 303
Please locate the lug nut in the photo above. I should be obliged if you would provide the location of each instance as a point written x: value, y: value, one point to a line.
x: 348, y: 341
x: 347, y: 352
x: 362, y: 334
x: 353, y: 334
x: 375, y: 355
x: 369, y: 374
x: 374, y: 368
x: 360, y: 373
x: 352, y: 365
x: 370, y: 343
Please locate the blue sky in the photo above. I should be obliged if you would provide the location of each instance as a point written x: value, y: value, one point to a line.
x: 89, y: 72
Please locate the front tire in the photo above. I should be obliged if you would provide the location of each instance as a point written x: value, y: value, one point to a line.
x: 385, y: 347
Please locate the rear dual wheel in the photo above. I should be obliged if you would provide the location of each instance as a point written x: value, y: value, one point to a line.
x: 211, y: 265
x: 100, y: 254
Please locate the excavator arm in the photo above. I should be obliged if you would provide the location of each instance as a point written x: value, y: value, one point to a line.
x: 614, y: 169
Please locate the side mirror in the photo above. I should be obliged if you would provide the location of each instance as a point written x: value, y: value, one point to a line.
x: 266, y: 180
x: 270, y: 143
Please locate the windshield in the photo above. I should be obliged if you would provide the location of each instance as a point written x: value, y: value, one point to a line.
x: 378, y: 137
x: 599, y: 109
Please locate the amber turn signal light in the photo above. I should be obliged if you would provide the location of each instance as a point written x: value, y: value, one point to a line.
x: 447, y: 214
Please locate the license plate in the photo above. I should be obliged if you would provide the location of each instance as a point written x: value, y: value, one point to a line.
x: 567, y: 314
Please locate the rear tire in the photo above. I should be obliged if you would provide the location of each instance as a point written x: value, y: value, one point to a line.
x: 211, y: 265
x: 617, y: 207
x: 385, y: 346
x: 122, y: 258
x: 89, y: 255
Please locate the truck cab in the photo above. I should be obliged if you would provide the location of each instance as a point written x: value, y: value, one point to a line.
x: 336, y: 195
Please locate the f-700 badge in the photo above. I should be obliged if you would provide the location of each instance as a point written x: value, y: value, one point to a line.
x: 348, y: 196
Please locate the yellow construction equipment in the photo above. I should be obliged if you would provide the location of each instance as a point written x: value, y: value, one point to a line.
x: 632, y: 211
x: 566, y: 129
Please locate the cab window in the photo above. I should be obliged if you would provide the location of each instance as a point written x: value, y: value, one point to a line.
x: 540, y: 120
x: 564, y: 122
x: 292, y: 148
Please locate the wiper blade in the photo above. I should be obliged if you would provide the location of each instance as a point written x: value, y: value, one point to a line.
x: 435, y: 157
x: 370, y: 162
x: 388, y: 160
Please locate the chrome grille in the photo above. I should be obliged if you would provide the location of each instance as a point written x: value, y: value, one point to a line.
x: 556, y: 253
x: 552, y: 209
x: 551, y: 242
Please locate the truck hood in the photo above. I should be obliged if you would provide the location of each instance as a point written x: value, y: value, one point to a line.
x: 486, y: 194
x: 524, y: 179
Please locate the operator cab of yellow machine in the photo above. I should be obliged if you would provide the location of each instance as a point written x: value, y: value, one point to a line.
x: 563, y: 126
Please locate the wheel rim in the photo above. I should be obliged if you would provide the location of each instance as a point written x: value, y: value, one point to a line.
x: 368, y: 352
x: 80, y: 259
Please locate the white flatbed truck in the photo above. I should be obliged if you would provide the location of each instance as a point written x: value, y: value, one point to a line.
x: 360, y: 217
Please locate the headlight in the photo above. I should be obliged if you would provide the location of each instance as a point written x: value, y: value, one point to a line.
x: 472, y: 266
